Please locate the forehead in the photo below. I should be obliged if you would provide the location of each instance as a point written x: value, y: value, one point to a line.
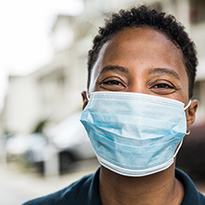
x: 132, y: 44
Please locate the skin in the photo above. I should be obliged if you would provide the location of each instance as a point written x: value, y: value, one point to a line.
x: 141, y: 60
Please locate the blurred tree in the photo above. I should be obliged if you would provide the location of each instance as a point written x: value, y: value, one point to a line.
x: 38, y: 128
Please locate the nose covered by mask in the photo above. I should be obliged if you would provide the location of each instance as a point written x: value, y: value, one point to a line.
x: 134, y: 134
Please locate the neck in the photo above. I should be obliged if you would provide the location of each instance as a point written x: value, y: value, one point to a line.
x: 156, y: 189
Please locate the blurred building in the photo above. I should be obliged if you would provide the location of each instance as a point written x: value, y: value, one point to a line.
x: 53, y: 91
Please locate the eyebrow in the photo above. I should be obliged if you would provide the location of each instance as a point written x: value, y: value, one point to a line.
x: 164, y: 71
x: 114, y: 68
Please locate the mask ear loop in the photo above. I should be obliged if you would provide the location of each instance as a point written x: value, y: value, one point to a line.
x: 87, y: 96
x: 177, y: 150
x: 189, y: 103
x: 188, y: 132
x: 180, y: 144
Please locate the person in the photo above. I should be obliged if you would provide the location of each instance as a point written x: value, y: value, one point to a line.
x: 136, y: 111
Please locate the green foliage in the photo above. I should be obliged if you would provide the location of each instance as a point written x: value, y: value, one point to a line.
x: 38, y: 128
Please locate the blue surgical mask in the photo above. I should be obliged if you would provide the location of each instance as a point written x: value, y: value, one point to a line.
x: 134, y: 134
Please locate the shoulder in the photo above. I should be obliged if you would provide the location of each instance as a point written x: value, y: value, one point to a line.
x: 192, y: 195
x: 78, y: 192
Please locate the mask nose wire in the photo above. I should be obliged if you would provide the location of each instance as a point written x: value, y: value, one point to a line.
x: 187, y: 105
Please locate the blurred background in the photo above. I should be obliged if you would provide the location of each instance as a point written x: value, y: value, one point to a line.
x: 43, y: 49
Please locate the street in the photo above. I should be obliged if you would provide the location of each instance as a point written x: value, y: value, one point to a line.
x: 18, y: 185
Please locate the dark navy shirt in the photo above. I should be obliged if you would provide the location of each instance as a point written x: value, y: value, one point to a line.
x: 86, y: 192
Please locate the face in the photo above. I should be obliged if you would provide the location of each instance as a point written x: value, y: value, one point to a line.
x: 141, y: 60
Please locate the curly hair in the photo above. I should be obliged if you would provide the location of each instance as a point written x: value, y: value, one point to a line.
x: 144, y: 16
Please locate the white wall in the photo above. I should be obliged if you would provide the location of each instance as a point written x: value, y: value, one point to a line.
x: 22, y: 105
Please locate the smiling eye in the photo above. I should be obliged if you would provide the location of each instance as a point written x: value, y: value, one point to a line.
x: 163, y: 86
x: 113, y: 82
x: 112, y: 85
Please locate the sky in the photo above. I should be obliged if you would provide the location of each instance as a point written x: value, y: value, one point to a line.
x: 24, y: 36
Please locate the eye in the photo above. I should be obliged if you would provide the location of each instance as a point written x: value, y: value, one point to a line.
x: 163, y: 88
x: 112, y: 84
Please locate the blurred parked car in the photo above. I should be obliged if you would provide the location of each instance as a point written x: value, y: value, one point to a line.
x: 71, y: 142
x: 34, y: 154
x: 17, y: 145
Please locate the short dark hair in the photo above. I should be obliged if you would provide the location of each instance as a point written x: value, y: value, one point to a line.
x: 144, y: 16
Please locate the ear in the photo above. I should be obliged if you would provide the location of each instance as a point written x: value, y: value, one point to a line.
x: 191, y: 113
x: 85, y: 99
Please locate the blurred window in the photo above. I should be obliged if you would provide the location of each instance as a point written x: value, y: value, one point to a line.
x: 197, y: 8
